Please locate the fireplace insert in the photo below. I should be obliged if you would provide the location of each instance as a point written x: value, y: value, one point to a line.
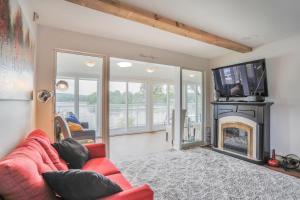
x: 235, y: 140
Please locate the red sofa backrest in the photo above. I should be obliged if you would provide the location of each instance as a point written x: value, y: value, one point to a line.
x: 20, y: 171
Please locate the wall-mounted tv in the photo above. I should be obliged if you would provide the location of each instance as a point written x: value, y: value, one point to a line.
x: 241, y: 80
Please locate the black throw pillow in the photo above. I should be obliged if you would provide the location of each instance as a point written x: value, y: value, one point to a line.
x: 80, y: 185
x: 74, y: 153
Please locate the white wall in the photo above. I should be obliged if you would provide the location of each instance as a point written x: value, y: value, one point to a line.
x: 50, y: 38
x: 283, y: 71
x: 17, y: 118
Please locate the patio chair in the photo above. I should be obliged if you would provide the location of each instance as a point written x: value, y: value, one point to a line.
x: 62, y: 131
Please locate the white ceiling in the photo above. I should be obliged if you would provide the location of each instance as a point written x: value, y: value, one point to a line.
x: 69, y: 65
x: 252, y: 22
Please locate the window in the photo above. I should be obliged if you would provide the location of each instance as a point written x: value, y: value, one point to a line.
x: 83, y: 73
x: 192, y: 98
x: 65, y: 100
x: 171, y: 99
x: 191, y: 101
x: 128, y: 108
x: 160, y: 104
x: 163, y: 103
x: 136, y: 105
x: 80, y: 99
x: 88, y: 96
x: 117, y: 105
x: 199, y: 103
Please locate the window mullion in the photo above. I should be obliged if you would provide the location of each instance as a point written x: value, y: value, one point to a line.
x: 149, y: 106
x: 197, y: 109
x: 168, y: 103
x: 127, y: 106
x: 76, y: 104
x: 98, y: 108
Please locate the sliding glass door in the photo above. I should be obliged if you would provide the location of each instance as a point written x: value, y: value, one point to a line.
x: 78, y: 96
x: 127, y: 107
x: 88, y: 106
x: 117, y: 106
x: 142, y: 101
x: 192, y: 105
x: 136, y: 105
x: 163, y: 104
x: 146, y: 106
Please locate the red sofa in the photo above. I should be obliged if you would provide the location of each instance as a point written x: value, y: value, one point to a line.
x: 20, y: 171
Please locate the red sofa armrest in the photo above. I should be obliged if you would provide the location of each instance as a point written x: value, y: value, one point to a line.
x: 143, y: 192
x: 96, y: 150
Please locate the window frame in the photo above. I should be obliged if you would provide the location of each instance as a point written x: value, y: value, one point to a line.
x: 76, y: 80
x: 98, y: 126
x: 149, y: 126
x: 157, y: 127
x: 146, y: 105
x: 197, y: 100
x: 104, y: 79
x: 127, y: 129
x: 117, y: 131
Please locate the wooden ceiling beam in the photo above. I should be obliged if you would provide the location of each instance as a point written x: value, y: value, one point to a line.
x: 148, y: 18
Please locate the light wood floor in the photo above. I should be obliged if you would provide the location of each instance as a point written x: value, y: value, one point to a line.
x: 138, y: 144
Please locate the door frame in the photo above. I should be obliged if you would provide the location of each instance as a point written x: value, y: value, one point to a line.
x: 203, y: 110
x: 104, y: 116
x: 102, y: 110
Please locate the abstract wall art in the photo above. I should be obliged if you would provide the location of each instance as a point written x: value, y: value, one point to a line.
x: 16, y: 53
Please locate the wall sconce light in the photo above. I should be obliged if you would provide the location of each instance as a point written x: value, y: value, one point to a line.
x: 62, y: 85
x: 44, y: 95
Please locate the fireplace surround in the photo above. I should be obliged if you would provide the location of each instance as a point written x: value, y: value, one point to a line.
x: 242, y: 130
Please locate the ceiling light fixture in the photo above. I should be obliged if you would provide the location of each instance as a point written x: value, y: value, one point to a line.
x: 192, y: 75
x: 150, y: 70
x: 124, y: 64
x: 90, y: 63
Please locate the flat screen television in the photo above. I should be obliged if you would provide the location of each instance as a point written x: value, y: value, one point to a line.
x: 241, y: 80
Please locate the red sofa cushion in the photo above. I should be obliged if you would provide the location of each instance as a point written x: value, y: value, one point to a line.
x: 32, y: 149
x: 96, y: 150
x: 20, y: 175
x: 41, y: 137
x: 120, y: 180
x: 101, y: 165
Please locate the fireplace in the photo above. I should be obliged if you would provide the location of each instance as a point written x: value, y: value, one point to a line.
x: 237, y: 140
x: 241, y: 129
x: 237, y: 137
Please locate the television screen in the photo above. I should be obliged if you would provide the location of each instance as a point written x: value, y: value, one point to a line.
x: 241, y: 80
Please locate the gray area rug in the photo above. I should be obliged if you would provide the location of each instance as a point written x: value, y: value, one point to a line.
x: 203, y: 174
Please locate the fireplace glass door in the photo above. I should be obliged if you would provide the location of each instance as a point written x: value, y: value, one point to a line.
x: 237, y: 138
